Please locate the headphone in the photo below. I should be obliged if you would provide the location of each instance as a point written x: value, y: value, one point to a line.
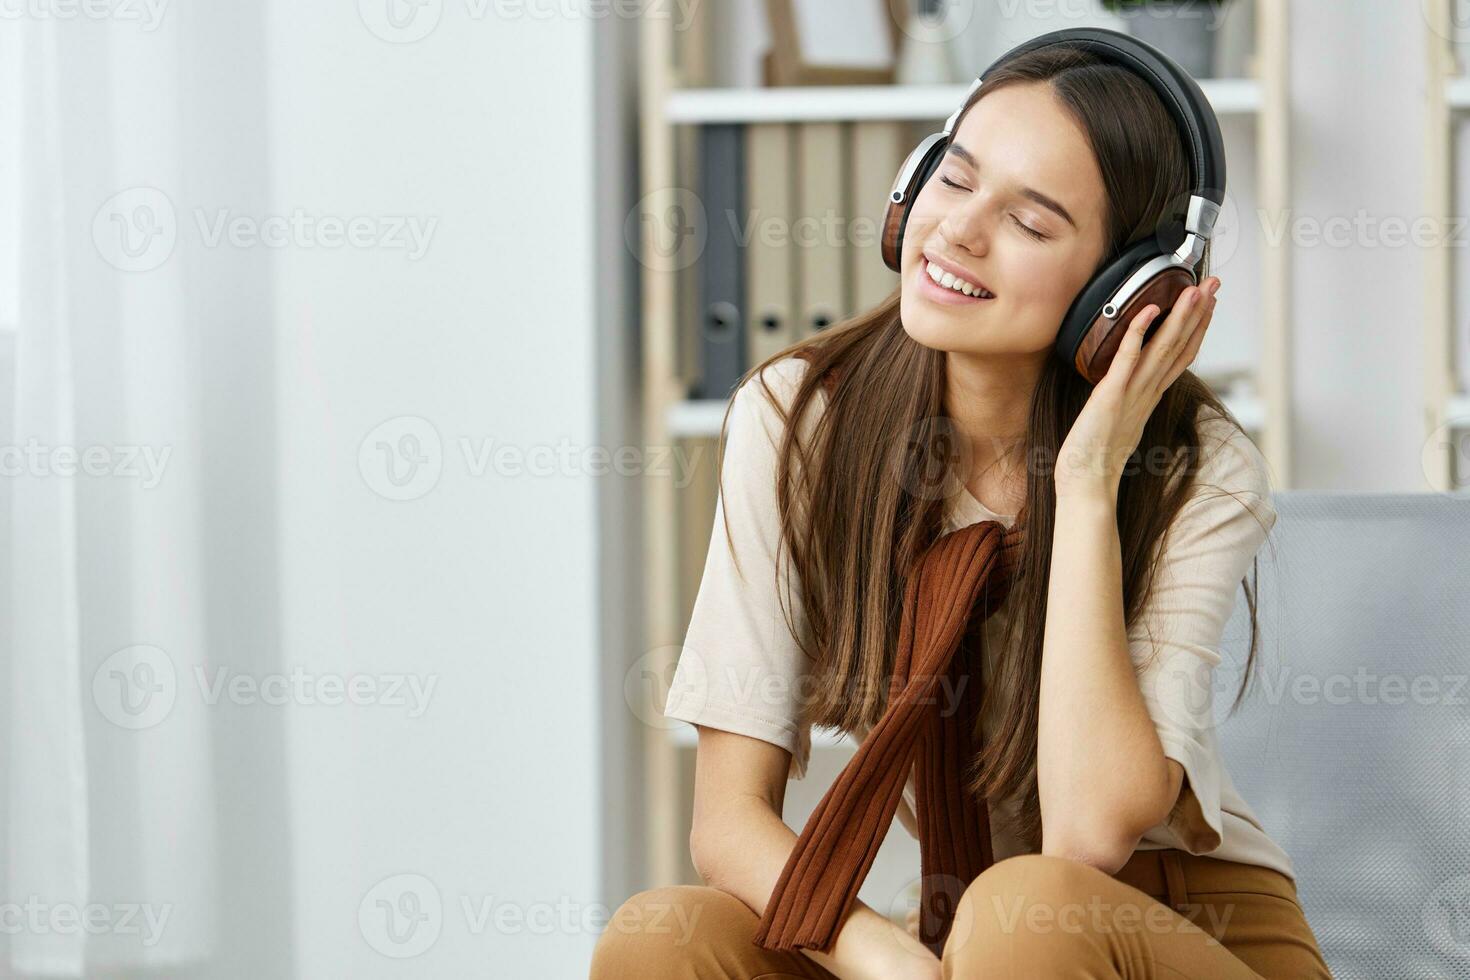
x: 1142, y: 272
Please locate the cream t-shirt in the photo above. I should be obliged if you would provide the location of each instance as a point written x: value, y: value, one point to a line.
x: 741, y: 670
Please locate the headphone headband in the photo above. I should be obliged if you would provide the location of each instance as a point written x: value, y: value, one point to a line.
x: 1176, y: 88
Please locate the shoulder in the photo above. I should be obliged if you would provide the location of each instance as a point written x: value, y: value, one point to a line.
x: 1230, y: 453
x: 763, y: 402
x: 1231, y: 462
x: 780, y: 378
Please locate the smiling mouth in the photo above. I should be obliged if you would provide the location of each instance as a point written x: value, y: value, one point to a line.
x: 944, y: 279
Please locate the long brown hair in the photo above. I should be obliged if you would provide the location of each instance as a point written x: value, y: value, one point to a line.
x: 875, y: 449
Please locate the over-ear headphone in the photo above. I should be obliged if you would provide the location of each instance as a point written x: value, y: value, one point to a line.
x: 1142, y: 272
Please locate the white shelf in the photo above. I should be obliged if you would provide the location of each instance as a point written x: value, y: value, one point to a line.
x: 696, y: 418
x: 685, y: 736
x: 699, y: 418
x: 1457, y: 92
x: 852, y: 103
x: 1248, y: 408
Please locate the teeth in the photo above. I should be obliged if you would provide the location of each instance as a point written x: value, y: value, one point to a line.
x: 949, y: 281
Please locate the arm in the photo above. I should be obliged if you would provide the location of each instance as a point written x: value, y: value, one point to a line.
x: 739, y: 844
x: 1101, y: 770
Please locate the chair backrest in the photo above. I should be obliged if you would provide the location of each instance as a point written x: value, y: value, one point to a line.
x: 1353, y: 744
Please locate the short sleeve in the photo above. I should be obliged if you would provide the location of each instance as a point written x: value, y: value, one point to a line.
x: 740, y: 667
x: 1208, y: 549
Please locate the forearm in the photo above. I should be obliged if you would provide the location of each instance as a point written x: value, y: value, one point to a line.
x: 1098, y: 755
x: 747, y: 862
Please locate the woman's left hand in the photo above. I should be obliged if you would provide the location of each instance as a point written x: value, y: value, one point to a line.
x: 1109, y: 426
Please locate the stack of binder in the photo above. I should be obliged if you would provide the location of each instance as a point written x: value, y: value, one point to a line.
x: 793, y: 214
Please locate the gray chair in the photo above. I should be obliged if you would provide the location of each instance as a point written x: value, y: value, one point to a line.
x: 1353, y: 745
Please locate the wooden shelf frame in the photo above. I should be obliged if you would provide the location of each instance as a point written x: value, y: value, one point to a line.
x: 855, y: 103
x: 1447, y: 92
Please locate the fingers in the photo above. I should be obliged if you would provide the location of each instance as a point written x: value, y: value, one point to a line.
x: 1191, y: 349
x: 1126, y: 357
x: 1175, y: 342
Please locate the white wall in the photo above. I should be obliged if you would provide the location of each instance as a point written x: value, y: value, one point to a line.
x: 1357, y: 144
x: 488, y: 584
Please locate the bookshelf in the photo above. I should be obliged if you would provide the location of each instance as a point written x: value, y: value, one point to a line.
x: 1229, y: 96
x: 1447, y: 93
x: 674, y: 102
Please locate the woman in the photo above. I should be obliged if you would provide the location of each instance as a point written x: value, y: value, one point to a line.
x: 1121, y: 846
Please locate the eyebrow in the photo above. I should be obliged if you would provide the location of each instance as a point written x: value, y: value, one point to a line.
x: 1030, y: 192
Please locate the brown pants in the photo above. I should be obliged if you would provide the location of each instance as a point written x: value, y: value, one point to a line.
x: 1166, y: 914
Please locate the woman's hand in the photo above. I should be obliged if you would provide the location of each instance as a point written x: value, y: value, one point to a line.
x: 870, y: 946
x: 1109, y: 426
x: 926, y: 966
x: 903, y: 956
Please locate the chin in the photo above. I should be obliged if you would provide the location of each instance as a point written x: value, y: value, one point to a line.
x: 934, y: 327
x: 928, y: 331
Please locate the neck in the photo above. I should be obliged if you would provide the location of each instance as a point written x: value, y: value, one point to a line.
x: 989, y: 399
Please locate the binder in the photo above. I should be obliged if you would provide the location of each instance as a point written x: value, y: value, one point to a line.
x: 878, y: 150
x: 771, y: 195
x: 722, y: 265
x: 695, y: 504
x: 687, y: 300
x: 820, y: 231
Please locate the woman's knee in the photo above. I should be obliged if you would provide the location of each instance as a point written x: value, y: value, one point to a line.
x: 1022, y: 907
x: 657, y: 933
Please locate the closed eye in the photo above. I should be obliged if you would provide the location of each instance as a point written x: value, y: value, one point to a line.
x: 1019, y: 223
x: 1028, y: 229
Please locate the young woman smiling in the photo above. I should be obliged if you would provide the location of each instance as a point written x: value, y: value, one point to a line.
x: 1146, y: 506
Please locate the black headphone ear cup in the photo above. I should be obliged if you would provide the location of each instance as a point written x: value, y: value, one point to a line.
x: 1090, y: 335
x: 896, y: 216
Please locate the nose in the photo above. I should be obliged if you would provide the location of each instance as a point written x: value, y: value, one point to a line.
x: 967, y: 226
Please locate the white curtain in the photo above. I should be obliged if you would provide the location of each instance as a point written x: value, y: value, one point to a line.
x: 120, y: 777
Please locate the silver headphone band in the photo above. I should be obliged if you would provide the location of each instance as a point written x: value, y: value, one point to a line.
x: 954, y: 117
x: 899, y: 194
